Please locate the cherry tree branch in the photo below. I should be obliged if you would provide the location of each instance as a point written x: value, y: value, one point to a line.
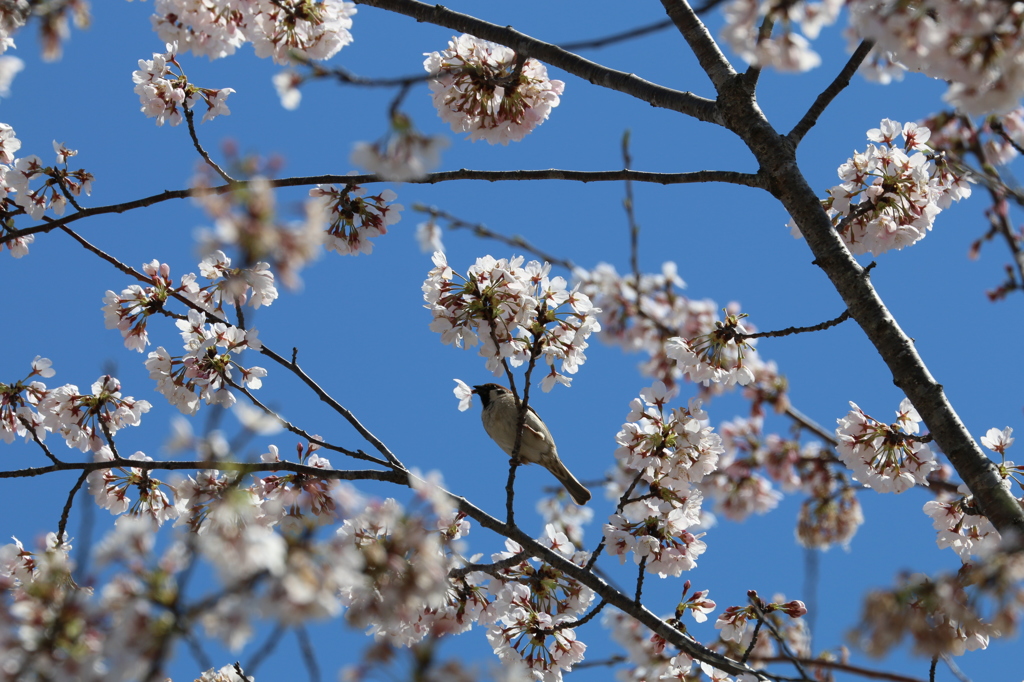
x: 697, y: 36
x: 776, y: 154
x: 632, y: 33
x: 842, y: 80
x: 730, y: 177
x: 190, y: 119
x: 813, y: 663
x: 481, y: 230
x: 630, y: 84
x: 777, y: 157
x: 291, y: 365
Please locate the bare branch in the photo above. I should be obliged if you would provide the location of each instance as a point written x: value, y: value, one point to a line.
x: 617, y: 37
x: 189, y: 118
x: 731, y: 177
x: 800, y: 330
x: 821, y: 103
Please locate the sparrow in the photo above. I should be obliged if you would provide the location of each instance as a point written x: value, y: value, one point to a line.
x: 501, y: 417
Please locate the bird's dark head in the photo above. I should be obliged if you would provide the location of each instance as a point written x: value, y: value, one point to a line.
x: 489, y: 392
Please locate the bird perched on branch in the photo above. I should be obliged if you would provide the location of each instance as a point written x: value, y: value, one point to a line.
x: 501, y: 419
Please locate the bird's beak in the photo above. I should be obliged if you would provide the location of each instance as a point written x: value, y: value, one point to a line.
x: 476, y: 389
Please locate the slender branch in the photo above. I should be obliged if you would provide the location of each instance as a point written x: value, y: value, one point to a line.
x: 63, y: 524
x: 634, y: 227
x: 640, y: 579
x: 632, y: 33
x: 800, y: 330
x: 764, y: 32
x: 291, y: 365
x: 953, y: 668
x: 303, y: 434
x: 268, y: 646
x: 753, y: 638
x: 813, y: 663
x: 783, y: 646
x: 730, y: 177
x: 308, y: 653
x: 400, y: 477
x: 630, y: 84
x: 190, y: 119
x: 343, y: 75
x: 30, y: 428
x: 842, y: 80
x: 481, y: 230
x: 814, y: 427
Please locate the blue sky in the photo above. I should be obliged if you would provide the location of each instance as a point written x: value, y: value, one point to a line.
x: 362, y: 333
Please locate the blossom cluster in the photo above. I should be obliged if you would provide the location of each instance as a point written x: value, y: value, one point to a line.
x: 129, y: 310
x: 16, y: 175
x: 957, y: 520
x: 939, y: 616
x: 785, y: 49
x: 201, y: 373
x: 532, y: 608
x: 887, y: 457
x: 281, y: 29
x: 484, y: 89
x: 164, y: 95
x: 891, y: 194
x: 662, y: 456
x: 515, y: 313
x: 717, y: 356
x: 737, y: 487
x: 86, y: 421
x: 403, y: 154
x: 648, y: 313
x: 354, y: 218
x: 974, y: 46
x: 245, y: 218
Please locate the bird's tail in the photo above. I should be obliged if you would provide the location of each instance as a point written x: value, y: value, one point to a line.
x: 580, y: 494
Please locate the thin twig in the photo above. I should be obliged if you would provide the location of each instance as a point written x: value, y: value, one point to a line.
x: 481, y: 230
x: 783, y: 646
x: 640, y: 580
x: 799, y: 330
x: 813, y: 663
x: 63, y: 524
x: 189, y: 118
x: 634, y: 227
x: 753, y: 638
x: 821, y: 102
x: 355, y: 454
x: 263, y: 651
x: 596, y: 43
x: 308, y: 653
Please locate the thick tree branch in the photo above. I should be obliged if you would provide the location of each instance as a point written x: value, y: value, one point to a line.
x: 777, y: 156
x: 697, y: 36
x: 655, y: 95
